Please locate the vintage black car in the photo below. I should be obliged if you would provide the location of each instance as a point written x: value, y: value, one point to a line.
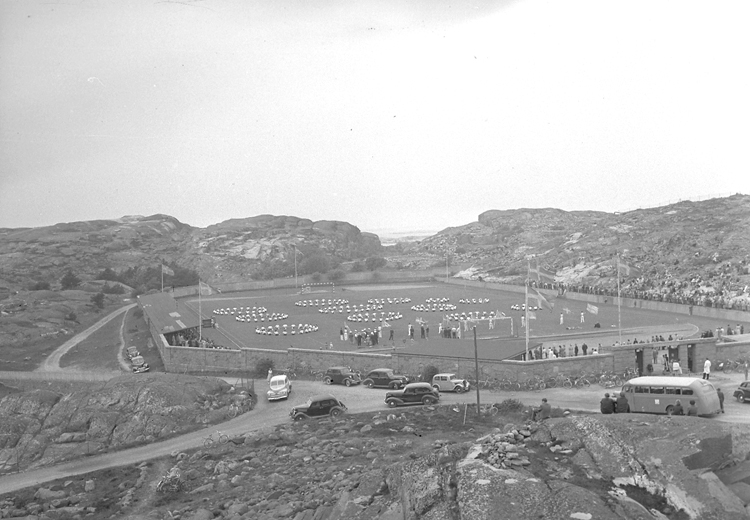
x: 384, y: 377
x: 742, y: 394
x: 318, y: 406
x: 414, y: 393
x: 341, y: 376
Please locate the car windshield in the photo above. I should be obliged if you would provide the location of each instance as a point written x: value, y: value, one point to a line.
x: 278, y: 383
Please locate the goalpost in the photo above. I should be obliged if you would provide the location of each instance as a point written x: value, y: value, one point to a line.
x: 318, y: 287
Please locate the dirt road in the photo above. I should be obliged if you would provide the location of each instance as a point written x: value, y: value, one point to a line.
x: 358, y: 399
x: 52, y: 363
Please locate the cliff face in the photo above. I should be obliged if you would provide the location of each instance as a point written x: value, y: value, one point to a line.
x: 234, y: 249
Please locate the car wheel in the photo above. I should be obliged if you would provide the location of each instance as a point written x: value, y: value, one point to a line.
x: 428, y: 401
x: 300, y: 417
x: 459, y: 389
x: 347, y: 382
x: 741, y: 398
x: 336, y: 412
x: 368, y: 384
x: 392, y: 403
x: 328, y: 381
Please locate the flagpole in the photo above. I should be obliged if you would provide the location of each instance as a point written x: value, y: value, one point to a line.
x: 162, y: 277
x: 619, y: 301
x: 526, y: 302
x: 295, y: 267
x: 200, y: 314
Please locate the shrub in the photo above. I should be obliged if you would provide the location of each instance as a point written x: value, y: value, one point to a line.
x: 315, y: 277
x: 98, y: 300
x: 374, y: 262
x: 69, y: 281
x: 263, y: 366
x: 40, y: 286
x: 113, y: 289
x: 510, y: 406
x: 358, y: 267
x: 336, y: 275
x: 428, y: 372
x: 71, y: 316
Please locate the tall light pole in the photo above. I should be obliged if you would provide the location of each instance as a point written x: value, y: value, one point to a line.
x: 295, y: 267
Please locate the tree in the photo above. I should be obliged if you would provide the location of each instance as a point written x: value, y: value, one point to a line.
x: 69, y: 281
x: 108, y: 274
x: 314, y: 264
x: 375, y: 262
x: 336, y: 275
x: 98, y: 300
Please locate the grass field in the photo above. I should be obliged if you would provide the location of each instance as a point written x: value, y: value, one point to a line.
x: 496, y: 343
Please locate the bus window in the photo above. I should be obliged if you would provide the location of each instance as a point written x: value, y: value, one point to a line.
x: 673, y: 391
x: 657, y: 389
x: 627, y: 388
x: 641, y: 389
x: 687, y: 391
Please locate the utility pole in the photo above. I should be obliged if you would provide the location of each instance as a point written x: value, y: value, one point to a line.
x: 476, y: 369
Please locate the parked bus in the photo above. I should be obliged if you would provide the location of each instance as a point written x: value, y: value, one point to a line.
x: 658, y: 394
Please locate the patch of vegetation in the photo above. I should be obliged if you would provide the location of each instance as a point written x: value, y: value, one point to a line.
x: 263, y: 366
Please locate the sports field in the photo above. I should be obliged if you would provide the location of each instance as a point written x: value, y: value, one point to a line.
x: 499, y: 342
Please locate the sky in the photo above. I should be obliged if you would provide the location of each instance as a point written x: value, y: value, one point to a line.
x: 398, y: 115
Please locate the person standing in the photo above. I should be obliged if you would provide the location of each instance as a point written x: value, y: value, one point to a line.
x: 390, y: 336
x: 607, y: 405
x: 707, y: 370
x: 269, y: 376
x: 583, y: 317
x: 721, y: 398
x: 561, y: 318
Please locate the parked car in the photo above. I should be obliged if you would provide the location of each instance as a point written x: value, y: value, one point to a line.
x: 742, y: 394
x: 139, y: 365
x: 324, y: 405
x: 279, y: 388
x: 132, y: 352
x: 384, y: 377
x: 448, y: 382
x: 342, y: 376
x: 413, y: 393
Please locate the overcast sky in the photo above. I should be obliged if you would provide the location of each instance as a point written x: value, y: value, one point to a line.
x: 389, y: 114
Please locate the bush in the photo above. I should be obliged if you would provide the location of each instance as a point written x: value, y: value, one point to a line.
x: 358, y: 267
x: 510, y: 406
x: 374, y: 262
x: 71, y: 316
x: 428, y: 372
x: 336, y: 275
x: 113, y: 289
x: 263, y: 366
x: 98, y: 300
x: 315, y: 277
x: 40, y: 286
x: 69, y: 281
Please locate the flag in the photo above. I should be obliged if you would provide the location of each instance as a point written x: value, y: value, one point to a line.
x: 542, y: 302
x: 204, y: 288
x: 384, y: 324
x: 166, y: 270
x: 540, y: 274
x: 532, y: 315
x: 593, y: 309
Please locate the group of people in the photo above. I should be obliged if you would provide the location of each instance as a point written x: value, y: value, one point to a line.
x: 364, y: 337
x: 231, y: 311
x: 563, y: 351
x: 321, y: 302
x: 389, y: 316
x: 294, y: 329
x: 433, y: 307
x: 618, y: 404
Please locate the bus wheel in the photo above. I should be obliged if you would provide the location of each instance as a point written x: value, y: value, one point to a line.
x: 670, y: 409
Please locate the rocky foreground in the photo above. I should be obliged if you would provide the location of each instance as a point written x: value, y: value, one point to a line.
x: 428, y: 463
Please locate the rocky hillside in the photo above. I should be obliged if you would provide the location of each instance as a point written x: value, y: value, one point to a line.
x: 684, y: 240
x: 232, y: 250
x: 43, y: 427
x: 429, y: 464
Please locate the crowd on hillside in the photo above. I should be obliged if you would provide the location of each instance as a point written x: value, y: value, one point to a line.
x: 724, y: 289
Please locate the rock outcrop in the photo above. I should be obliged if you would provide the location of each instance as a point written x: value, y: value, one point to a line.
x: 40, y: 427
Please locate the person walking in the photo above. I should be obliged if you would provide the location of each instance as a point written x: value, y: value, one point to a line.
x: 707, y: 370
x: 721, y: 398
x: 607, y: 405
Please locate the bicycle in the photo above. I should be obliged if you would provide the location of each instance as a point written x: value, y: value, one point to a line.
x: 170, y: 483
x: 210, y: 441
